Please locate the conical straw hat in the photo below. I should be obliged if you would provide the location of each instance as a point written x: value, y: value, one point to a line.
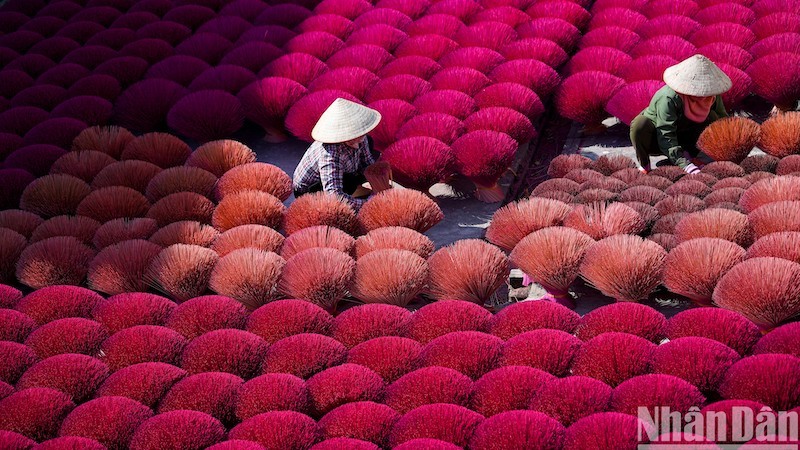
x: 697, y: 76
x: 344, y: 120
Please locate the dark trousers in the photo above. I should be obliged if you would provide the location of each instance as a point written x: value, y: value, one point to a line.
x: 645, y: 140
x: 350, y: 182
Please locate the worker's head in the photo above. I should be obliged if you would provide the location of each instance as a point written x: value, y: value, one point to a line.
x: 345, y: 122
x: 697, y: 77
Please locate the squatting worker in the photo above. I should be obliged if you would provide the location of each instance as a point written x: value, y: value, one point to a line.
x: 679, y: 112
x: 340, y: 154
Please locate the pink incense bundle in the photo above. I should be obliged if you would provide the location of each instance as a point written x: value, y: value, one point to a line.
x: 431, y: 45
x: 557, y: 30
x: 780, y: 135
x: 775, y: 217
x: 726, y: 12
x: 389, y: 276
x: 511, y: 95
x: 625, y: 267
x: 669, y: 45
x: 777, y: 22
x: 442, y: 24
x: 563, y: 164
x: 616, y: 15
x: 632, y: 99
x: 767, y: 300
x: 602, y: 59
x: 181, y: 271
x: 503, y: 12
x: 725, y: 53
x: 572, y: 12
x: 393, y: 237
x: 353, y: 80
x: 382, y: 35
x: 441, y: 126
x: 402, y: 87
x: 600, y: 220
x: 741, y: 89
x: 144, y: 105
x: 379, y: 176
x: 267, y: 100
x: 544, y: 50
x: 593, y: 195
x: 779, y: 87
x: 207, y: 115
x: 318, y: 44
x: 319, y: 208
x: 348, y: 9
x: 552, y: 257
x: 367, y: 56
x: 583, y: 97
x: 536, y: 75
x: 394, y: 113
x: 483, y: 156
x: 387, y: 14
x: 300, y: 67
x: 319, y: 275
x: 617, y: 37
x: 248, y: 275
x: 583, y: 175
x: 464, y: 79
x: 513, y: 222
x: 122, y: 267
x: 209, y: 47
x: 334, y: 24
x: 647, y: 67
x: 694, y: 267
x: 502, y: 119
x: 769, y: 190
x: 608, y: 164
x: 454, y: 103
x: 729, y: 139
x: 419, y: 66
x: 674, y: 24
x: 781, y: 42
x: 480, y: 269
x: 420, y: 162
x: 461, y: 9
x: 716, y: 223
x: 491, y: 35
x: 400, y: 207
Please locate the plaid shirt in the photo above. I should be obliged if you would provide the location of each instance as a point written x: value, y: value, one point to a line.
x: 327, y: 163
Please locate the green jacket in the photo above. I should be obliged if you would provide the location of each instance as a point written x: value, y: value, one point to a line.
x: 665, y: 110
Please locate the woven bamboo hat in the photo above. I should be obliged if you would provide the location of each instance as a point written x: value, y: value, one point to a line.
x: 344, y: 120
x: 697, y: 76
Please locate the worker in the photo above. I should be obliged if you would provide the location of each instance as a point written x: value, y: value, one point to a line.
x: 679, y: 112
x: 341, y: 154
